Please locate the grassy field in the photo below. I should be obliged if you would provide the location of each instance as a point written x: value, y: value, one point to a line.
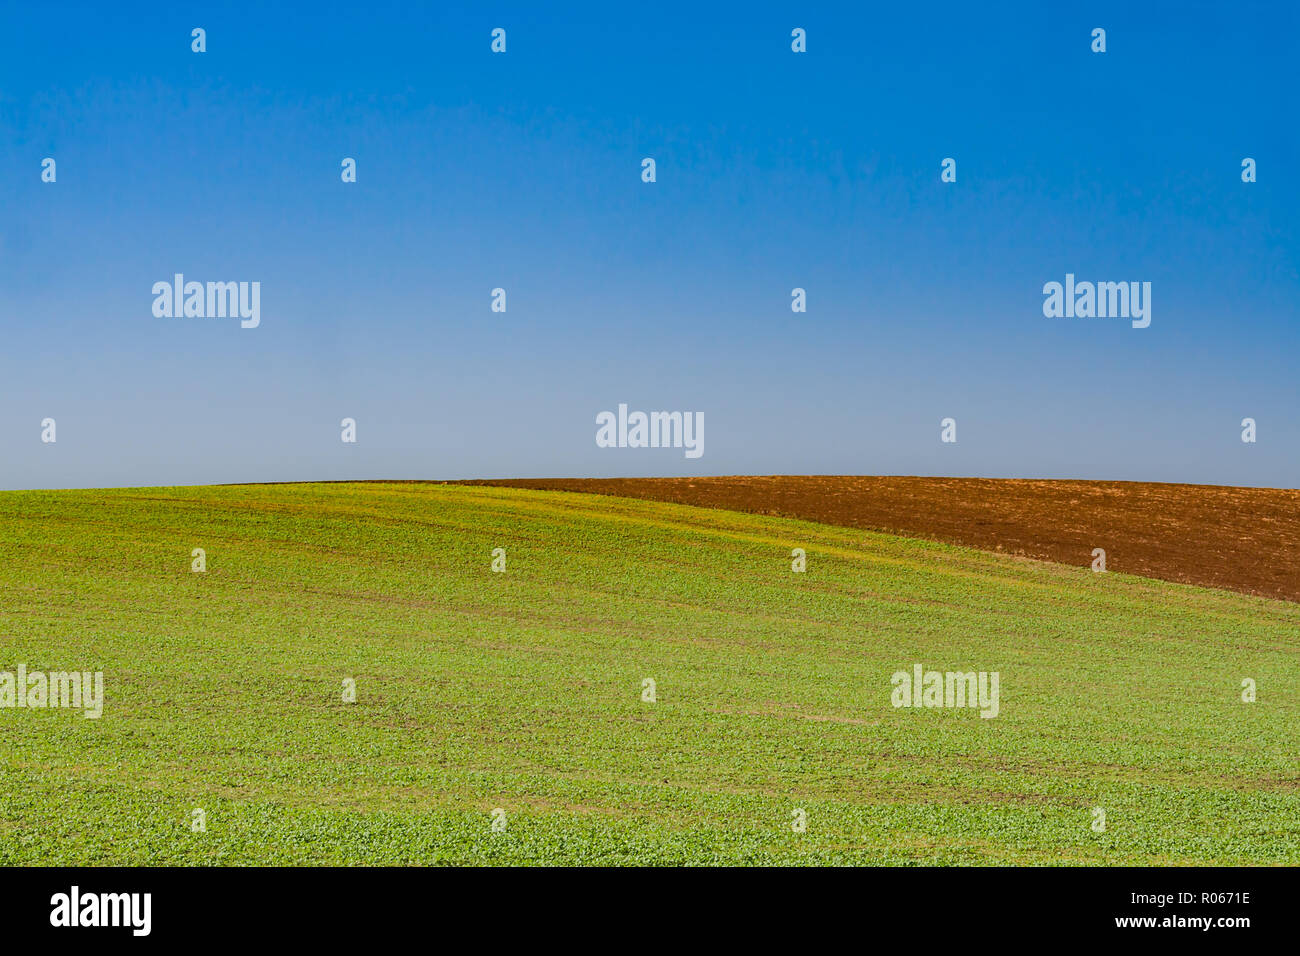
x: 522, y: 690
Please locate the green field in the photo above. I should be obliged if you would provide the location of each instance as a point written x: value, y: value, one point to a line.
x: 522, y: 690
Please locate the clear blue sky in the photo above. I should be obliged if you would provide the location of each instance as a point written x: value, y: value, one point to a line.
x: 775, y: 170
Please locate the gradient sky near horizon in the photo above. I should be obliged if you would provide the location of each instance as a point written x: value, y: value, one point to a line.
x: 775, y: 170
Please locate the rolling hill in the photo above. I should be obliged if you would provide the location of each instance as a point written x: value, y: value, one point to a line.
x: 1243, y: 539
x: 522, y: 691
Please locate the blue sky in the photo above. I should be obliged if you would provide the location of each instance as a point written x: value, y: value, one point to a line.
x: 522, y: 170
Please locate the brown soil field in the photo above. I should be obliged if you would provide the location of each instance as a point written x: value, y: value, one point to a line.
x: 1243, y: 539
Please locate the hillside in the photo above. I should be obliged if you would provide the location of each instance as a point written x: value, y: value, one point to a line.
x: 1243, y: 539
x: 522, y: 690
